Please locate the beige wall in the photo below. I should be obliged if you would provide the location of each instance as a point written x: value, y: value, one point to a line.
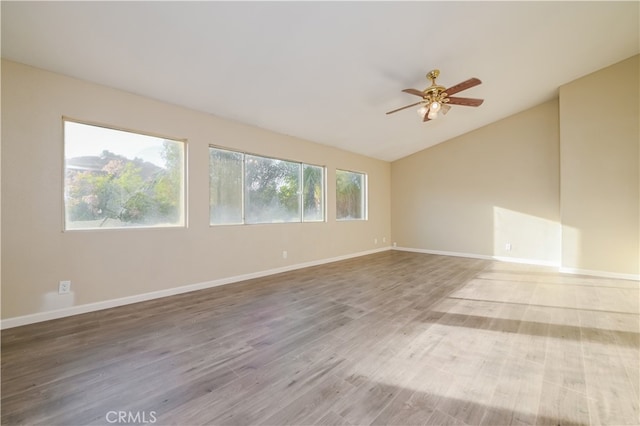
x: 105, y: 265
x: 560, y: 182
x: 474, y: 194
x: 599, y: 159
x: 504, y: 183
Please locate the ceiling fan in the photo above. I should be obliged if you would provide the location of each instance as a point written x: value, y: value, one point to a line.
x: 437, y: 99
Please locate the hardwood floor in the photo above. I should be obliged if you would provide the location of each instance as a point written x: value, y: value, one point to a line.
x: 391, y: 338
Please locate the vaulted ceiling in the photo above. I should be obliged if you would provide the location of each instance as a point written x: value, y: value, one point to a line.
x: 328, y: 71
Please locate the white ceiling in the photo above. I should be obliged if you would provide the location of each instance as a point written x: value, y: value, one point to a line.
x: 328, y: 71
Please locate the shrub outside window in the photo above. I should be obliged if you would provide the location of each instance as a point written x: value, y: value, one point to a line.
x: 120, y: 179
x: 351, y: 195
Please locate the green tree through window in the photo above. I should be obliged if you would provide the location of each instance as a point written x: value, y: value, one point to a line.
x: 116, y: 179
x: 248, y: 188
x: 350, y: 195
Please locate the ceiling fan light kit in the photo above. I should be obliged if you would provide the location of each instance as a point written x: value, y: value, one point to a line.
x: 436, y: 99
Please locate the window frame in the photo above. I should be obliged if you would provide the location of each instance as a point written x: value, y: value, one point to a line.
x: 300, y: 165
x: 365, y: 196
x: 183, y: 202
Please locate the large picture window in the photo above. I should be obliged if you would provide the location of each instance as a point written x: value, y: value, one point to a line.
x: 351, y: 195
x: 120, y: 179
x: 247, y: 188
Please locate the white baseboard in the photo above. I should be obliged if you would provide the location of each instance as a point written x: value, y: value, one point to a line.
x: 106, y: 304
x: 483, y: 256
x: 561, y: 269
x: 601, y: 274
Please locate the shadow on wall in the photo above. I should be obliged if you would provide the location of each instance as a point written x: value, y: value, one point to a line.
x: 523, y: 237
x: 470, y: 229
x: 526, y: 237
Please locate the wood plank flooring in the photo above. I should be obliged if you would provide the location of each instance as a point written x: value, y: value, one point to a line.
x: 391, y: 338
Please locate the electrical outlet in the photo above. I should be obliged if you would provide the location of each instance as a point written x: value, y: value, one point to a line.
x: 384, y: 239
x: 375, y: 241
x: 284, y: 254
x: 64, y: 287
x: 507, y: 247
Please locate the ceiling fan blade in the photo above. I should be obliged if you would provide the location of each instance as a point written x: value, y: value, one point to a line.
x: 463, y: 86
x: 404, y: 107
x: 465, y: 101
x: 426, y: 117
x: 414, y: 92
